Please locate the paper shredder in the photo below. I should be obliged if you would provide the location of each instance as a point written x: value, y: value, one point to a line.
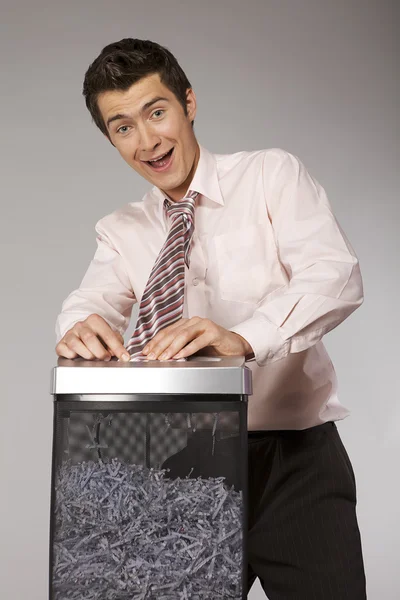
x: 149, y: 480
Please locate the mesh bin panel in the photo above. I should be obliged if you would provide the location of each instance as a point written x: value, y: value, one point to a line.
x: 121, y: 435
x: 147, y: 504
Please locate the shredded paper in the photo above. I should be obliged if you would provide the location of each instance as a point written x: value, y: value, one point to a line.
x: 124, y: 531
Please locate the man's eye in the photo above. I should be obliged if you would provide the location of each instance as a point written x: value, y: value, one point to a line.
x: 120, y: 129
x: 157, y: 111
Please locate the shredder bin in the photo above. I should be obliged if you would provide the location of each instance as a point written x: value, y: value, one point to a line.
x: 149, y: 480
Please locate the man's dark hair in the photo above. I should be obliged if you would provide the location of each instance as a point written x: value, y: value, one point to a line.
x: 121, y: 64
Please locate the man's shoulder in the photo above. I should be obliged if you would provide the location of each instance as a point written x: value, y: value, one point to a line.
x: 128, y: 213
x: 266, y: 158
x: 252, y: 154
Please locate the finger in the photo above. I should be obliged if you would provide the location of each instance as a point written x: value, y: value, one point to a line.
x: 111, y: 339
x: 163, y: 338
x: 74, y: 343
x: 183, y: 338
x: 63, y: 350
x: 119, y: 349
x: 194, y: 346
x: 116, y: 347
x: 178, y: 338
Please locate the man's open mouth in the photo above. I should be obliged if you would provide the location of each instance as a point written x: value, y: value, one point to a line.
x: 162, y: 162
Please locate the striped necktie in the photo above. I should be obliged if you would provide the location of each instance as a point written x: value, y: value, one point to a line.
x: 162, y: 301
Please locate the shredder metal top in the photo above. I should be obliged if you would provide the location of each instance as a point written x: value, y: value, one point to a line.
x: 198, y: 375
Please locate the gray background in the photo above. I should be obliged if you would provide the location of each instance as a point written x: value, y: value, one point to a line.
x: 317, y: 78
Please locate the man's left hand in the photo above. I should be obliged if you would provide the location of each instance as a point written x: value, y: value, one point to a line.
x: 188, y: 336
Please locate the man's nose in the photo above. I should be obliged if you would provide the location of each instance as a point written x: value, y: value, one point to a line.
x: 149, y: 140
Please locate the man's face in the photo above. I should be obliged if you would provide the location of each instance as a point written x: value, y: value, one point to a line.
x: 147, y: 121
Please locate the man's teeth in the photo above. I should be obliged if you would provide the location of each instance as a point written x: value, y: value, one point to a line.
x: 156, y: 159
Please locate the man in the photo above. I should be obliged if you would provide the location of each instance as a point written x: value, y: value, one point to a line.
x: 270, y: 273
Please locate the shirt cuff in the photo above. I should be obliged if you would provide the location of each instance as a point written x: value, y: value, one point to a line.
x: 265, y: 339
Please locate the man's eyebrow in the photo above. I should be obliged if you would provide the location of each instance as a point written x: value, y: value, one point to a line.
x: 145, y: 107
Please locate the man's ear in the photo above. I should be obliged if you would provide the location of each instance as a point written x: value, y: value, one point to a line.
x: 191, y: 104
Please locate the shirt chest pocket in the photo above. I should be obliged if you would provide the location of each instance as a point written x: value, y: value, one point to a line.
x: 241, y: 257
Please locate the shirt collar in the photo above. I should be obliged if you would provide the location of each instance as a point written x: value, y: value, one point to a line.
x: 205, y: 180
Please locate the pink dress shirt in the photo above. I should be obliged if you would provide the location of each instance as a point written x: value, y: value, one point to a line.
x: 269, y: 261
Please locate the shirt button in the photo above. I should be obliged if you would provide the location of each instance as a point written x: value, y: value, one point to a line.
x: 195, y: 281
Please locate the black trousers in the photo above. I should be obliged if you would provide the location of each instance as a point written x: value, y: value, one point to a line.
x: 303, y: 537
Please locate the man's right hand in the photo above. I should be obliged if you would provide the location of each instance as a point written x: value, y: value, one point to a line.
x: 92, y: 339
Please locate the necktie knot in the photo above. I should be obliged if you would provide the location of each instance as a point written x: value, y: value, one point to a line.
x: 184, y: 207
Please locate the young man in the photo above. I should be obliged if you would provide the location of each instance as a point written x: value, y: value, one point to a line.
x: 270, y: 273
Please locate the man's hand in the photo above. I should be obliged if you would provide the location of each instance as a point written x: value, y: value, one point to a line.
x: 188, y: 336
x: 92, y: 339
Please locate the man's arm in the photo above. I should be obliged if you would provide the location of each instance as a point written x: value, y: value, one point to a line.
x: 105, y: 293
x: 324, y: 281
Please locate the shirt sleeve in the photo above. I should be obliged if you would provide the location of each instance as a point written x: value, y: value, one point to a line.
x: 105, y: 290
x: 324, y: 284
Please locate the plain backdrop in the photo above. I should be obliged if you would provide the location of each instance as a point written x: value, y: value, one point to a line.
x: 316, y: 77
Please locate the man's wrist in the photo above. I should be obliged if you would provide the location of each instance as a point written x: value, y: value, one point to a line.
x: 247, y: 349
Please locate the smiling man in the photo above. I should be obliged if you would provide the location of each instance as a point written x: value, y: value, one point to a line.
x: 148, y: 126
x: 230, y: 255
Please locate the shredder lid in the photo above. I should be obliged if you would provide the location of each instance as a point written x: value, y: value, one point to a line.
x: 199, y: 375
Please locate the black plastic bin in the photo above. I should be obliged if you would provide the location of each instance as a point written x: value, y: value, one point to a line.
x: 149, y: 480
